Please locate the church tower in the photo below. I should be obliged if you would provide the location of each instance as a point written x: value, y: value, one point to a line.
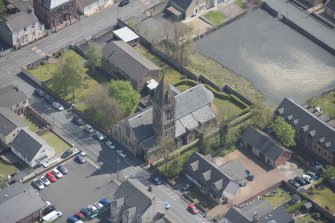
x: 164, y: 110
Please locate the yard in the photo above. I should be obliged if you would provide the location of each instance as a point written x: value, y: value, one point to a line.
x: 325, y: 198
x: 277, y: 197
x: 201, y: 199
x: 216, y: 17
x: 32, y: 126
x: 241, y: 3
x: 57, y: 143
x: 6, y: 169
x: 228, y: 108
x: 326, y: 102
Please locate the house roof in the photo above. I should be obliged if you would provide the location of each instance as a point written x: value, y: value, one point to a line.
x: 28, y: 144
x: 20, y: 20
x: 9, y: 121
x: 127, y: 59
x: 11, y: 95
x: 330, y: 4
x: 13, y: 202
x: 125, y: 34
x: 234, y: 170
x: 263, y: 143
x: 135, y: 195
x: 184, y: 4
x: 277, y: 215
x: 304, y: 121
x: 50, y: 4
x: 141, y: 124
x: 21, y: 5
x: 209, y: 175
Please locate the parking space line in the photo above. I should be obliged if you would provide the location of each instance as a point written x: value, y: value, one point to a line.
x: 93, y: 163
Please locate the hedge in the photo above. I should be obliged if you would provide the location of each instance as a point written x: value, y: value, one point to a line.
x: 296, y: 206
x: 186, y: 82
x: 217, y: 94
x: 234, y: 99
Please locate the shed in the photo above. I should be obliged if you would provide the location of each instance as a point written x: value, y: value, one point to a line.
x: 127, y: 35
x: 307, y: 206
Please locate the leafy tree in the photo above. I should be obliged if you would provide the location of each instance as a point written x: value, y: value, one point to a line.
x: 94, y: 56
x: 166, y: 145
x: 262, y: 115
x: 68, y: 75
x: 284, y: 132
x: 203, y: 145
x: 328, y: 172
x: 125, y: 94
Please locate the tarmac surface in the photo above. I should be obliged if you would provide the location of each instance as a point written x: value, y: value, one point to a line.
x: 279, y: 61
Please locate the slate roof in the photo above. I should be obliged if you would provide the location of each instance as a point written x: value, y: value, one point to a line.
x: 20, y: 20
x: 28, y: 144
x: 11, y: 95
x: 234, y: 170
x: 263, y: 143
x: 14, y: 206
x: 141, y: 124
x: 184, y: 4
x: 209, y: 175
x: 127, y: 59
x: 277, y: 215
x: 330, y: 4
x: 21, y: 5
x: 50, y: 4
x: 9, y: 121
x: 308, y: 123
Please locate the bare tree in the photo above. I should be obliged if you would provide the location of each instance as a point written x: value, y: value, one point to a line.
x: 166, y: 145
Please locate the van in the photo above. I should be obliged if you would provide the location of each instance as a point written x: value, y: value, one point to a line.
x: 52, y: 216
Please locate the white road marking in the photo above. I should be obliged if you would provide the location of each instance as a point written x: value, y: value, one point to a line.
x: 169, y: 192
x: 92, y: 163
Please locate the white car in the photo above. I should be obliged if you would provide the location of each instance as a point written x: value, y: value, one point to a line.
x: 58, y: 106
x: 89, y: 128
x: 57, y: 173
x: 110, y: 145
x: 121, y: 153
x: 45, y: 181
x: 37, y: 183
x: 98, y: 205
x: 307, y: 178
x: 93, y: 208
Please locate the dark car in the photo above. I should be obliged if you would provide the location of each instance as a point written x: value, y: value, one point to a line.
x: 123, y: 3
x: 250, y: 176
x: 62, y: 169
x: 79, y: 215
x: 48, y: 209
x: 81, y: 159
x: 48, y: 99
x: 105, y: 202
x: 86, y: 212
x: 294, y: 183
x: 67, y: 153
x: 295, y: 199
x: 314, y: 176
x: 300, y: 180
x: 78, y: 121
x: 39, y: 92
x: 72, y: 219
x: 156, y: 180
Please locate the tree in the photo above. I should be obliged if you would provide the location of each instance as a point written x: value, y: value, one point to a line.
x: 166, y: 145
x: 328, y: 172
x: 284, y: 132
x: 262, y: 115
x: 125, y: 94
x: 94, y: 56
x: 203, y: 145
x: 68, y: 76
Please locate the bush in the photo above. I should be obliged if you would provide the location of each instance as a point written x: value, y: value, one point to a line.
x: 234, y: 99
x: 43, y: 63
x: 187, y: 82
x: 295, y: 207
x: 217, y: 94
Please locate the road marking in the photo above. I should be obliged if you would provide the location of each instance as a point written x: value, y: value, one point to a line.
x: 61, y: 40
x: 20, y: 59
x: 169, y: 192
x: 93, y: 163
x: 100, y: 21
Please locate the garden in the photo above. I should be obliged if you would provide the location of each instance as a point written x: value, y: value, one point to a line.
x: 215, y: 17
x: 277, y: 197
x: 326, y: 103
x: 55, y: 142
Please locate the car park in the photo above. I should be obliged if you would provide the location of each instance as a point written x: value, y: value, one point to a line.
x: 295, y: 199
x: 86, y: 212
x: 45, y: 181
x: 93, y: 209
x: 78, y: 121
x: 300, y: 180
x: 39, y: 92
x: 58, y: 106
x: 79, y: 215
x: 294, y: 183
x: 57, y: 173
x: 98, y: 205
x: 80, y: 158
x: 98, y: 135
x: 72, y: 219
x: 48, y: 209
x: 67, y: 153
x: 110, y: 145
x: 156, y: 180
x: 123, y: 3
x: 249, y: 175
x: 38, y: 184
x: 192, y: 208
x: 88, y: 128
x: 48, y: 99
x: 62, y: 169
x: 105, y: 202
x: 51, y: 177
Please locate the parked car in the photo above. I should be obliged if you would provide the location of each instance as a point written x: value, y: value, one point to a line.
x: 294, y: 183
x: 86, y: 212
x: 57, y: 173
x: 38, y: 184
x: 48, y: 209
x: 156, y: 180
x: 45, y: 181
x: 62, y: 169
x: 192, y: 208
x: 88, y: 128
x: 110, y: 145
x: 307, y: 178
x: 318, y: 165
x: 48, y: 99
x: 98, y: 205
x: 98, y: 135
x: 105, y: 202
x: 79, y: 215
x: 51, y: 177
x: 123, y: 3
x: 93, y: 209
x: 295, y: 199
x: 58, y: 106
x: 72, y: 219
x: 300, y: 180
x: 121, y: 153
x: 67, y: 153
x: 80, y: 158
x: 78, y: 121
x: 39, y: 92
x: 167, y: 205
x: 250, y: 176
x: 314, y: 176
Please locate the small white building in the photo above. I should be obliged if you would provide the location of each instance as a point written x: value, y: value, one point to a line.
x: 126, y: 35
x: 32, y: 149
x: 89, y: 7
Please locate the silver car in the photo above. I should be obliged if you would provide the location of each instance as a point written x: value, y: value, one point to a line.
x: 38, y: 184
x: 45, y: 181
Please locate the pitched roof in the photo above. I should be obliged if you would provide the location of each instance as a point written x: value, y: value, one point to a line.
x: 21, y: 5
x: 9, y: 121
x: 11, y: 95
x: 208, y: 174
x: 50, y: 4
x: 330, y: 4
x: 14, y: 199
x: 184, y: 4
x: 263, y: 143
x: 303, y: 120
x: 234, y: 170
x: 127, y: 59
x: 28, y: 144
x: 277, y: 215
x: 141, y: 124
x: 20, y: 20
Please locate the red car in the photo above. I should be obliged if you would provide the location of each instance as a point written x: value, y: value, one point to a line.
x: 192, y: 208
x: 51, y: 177
x: 79, y: 215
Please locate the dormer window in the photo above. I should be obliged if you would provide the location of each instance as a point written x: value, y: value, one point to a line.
x: 312, y: 133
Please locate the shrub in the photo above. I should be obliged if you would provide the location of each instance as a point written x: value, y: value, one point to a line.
x: 295, y: 207
x: 186, y: 82
x: 234, y: 99
x: 217, y: 94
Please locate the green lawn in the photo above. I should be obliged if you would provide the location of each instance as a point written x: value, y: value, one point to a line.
x: 325, y: 198
x: 57, y: 143
x: 32, y: 126
x: 241, y: 3
x: 226, y: 107
x: 2, y: 6
x: 201, y: 199
x: 6, y: 169
x: 183, y: 87
x: 326, y: 102
x: 216, y: 17
x: 171, y: 75
x: 277, y: 197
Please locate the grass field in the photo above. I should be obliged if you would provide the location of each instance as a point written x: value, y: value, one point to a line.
x: 32, y: 126
x: 228, y: 108
x: 325, y: 198
x: 215, y: 17
x: 326, y: 102
x: 6, y: 169
x: 57, y: 143
x: 277, y: 197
